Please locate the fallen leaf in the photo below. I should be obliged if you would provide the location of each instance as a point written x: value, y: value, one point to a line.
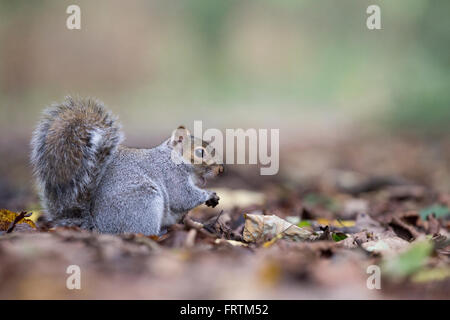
x: 410, y: 261
x: 234, y: 243
x: 269, y: 243
x: 8, y: 217
x: 304, y: 223
x: 338, y: 236
x: 356, y: 239
x: 293, y: 219
x: 386, y: 246
x: 263, y: 227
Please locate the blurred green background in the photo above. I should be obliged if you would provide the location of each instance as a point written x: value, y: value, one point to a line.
x: 271, y: 64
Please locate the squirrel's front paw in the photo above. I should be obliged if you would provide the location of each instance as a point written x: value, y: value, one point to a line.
x: 213, y: 200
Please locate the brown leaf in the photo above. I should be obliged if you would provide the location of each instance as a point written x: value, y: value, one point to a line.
x: 433, y: 224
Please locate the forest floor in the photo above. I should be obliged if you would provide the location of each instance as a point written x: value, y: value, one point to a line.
x: 376, y: 211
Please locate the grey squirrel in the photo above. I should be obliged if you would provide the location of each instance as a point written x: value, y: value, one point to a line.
x: 88, y: 179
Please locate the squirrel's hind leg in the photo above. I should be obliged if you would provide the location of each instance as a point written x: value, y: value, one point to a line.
x: 137, y: 208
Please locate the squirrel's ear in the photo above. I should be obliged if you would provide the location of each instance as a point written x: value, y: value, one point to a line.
x: 179, y: 135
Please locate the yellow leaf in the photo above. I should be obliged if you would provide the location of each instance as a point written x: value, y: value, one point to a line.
x: 336, y: 223
x: 7, y: 217
x: 35, y: 215
x: 267, y: 244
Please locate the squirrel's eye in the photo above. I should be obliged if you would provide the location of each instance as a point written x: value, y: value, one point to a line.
x: 199, y: 152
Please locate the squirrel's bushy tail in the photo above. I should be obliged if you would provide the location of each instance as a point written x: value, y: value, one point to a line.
x: 71, y: 148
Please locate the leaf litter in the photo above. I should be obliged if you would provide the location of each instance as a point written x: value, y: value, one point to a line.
x: 309, y: 232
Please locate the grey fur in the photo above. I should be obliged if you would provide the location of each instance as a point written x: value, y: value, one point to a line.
x: 87, y: 179
x: 154, y: 192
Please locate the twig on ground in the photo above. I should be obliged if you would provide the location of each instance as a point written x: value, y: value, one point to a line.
x: 19, y: 217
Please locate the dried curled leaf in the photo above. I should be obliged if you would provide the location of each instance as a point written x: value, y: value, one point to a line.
x: 7, y: 218
x: 386, y: 246
x: 259, y: 227
x: 233, y: 243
